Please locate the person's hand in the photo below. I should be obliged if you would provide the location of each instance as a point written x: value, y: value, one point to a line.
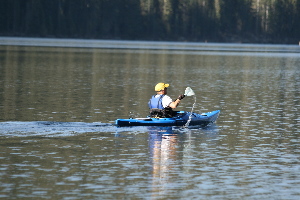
x: 181, y: 96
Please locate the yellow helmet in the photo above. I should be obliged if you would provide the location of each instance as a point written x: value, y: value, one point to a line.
x: 161, y: 86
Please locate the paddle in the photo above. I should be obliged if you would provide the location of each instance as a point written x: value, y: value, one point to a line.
x: 189, y: 92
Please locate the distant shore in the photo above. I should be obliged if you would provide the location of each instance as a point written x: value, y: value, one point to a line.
x: 231, y: 40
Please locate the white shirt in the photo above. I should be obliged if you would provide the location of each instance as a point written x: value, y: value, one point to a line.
x: 166, y: 100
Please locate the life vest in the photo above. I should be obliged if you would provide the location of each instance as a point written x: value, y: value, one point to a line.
x: 156, y: 102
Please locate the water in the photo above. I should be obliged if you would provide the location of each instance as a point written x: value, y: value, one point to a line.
x: 59, y: 99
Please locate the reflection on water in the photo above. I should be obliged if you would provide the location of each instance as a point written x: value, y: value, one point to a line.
x: 170, y: 153
x: 164, y: 153
x: 57, y: 106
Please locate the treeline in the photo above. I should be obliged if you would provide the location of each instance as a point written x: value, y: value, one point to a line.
x: 260, y: 21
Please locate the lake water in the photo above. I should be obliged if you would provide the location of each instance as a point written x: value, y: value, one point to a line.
x: 59, y: 100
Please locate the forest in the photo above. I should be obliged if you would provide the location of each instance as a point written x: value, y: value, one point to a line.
x: 244, y: 21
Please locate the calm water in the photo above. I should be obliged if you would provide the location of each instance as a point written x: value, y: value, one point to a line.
x: 59, y: 99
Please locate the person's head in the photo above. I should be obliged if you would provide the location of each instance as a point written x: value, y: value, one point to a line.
x: 161, y: 88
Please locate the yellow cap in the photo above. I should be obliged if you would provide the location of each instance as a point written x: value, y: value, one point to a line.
x: 161, y: 86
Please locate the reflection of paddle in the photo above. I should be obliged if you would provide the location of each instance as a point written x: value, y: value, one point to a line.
x: 189, y: 92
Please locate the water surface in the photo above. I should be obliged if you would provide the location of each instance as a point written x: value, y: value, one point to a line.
x: 59, y: 99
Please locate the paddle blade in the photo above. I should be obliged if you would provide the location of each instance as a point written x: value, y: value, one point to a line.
x: 189, y: 92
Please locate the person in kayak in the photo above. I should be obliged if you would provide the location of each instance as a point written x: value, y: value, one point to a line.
x: 161, y: 105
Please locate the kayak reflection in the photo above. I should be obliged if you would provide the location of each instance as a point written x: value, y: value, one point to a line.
x: 164, y: 149
x: 170, y: 152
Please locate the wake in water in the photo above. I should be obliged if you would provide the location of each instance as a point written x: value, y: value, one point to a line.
x: 49, y: 128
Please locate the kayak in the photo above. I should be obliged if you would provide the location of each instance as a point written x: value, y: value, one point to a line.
x: 180, y: 119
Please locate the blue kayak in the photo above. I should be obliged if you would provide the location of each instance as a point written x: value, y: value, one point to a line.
x: 180, y: 119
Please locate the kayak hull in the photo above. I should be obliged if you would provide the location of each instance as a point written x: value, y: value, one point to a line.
x: 180, y: 119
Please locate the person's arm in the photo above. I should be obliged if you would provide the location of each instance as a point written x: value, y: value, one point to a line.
x: 174, y: 104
